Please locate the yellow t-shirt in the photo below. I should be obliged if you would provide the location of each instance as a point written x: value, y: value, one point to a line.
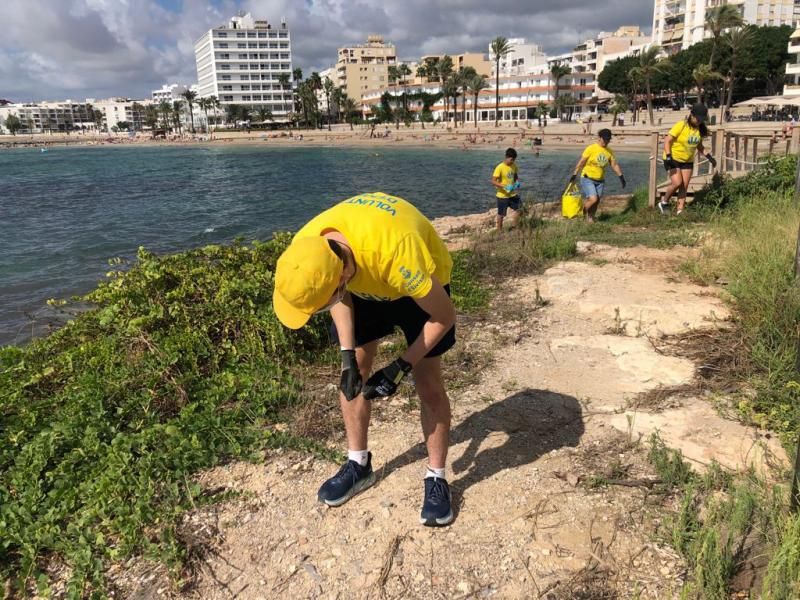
x: 598, y: 158
x: 508, y: 175
x: 685, y: 141
x: 396, y: 248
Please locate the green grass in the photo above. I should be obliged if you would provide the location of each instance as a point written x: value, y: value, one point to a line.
x: 469, y: 295
x: 181, y: 365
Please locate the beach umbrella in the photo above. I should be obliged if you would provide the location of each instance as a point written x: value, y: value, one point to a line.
x: 761, y: 101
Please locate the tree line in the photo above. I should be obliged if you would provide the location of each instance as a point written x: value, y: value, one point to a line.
x: 736, y: 62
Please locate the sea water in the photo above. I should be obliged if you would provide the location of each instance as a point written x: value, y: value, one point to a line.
x: 64, y: 213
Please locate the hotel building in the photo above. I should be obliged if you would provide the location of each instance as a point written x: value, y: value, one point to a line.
x: 792, y: 86
x: 365, y: 67
x: 241, y: 62
x: 677, y: 24
x: 50, y: 117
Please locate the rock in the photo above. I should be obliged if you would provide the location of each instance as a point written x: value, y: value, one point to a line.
x: 464, y: 587
x: 665, y: 570
x: 546, y: 551
x: 572, y: 479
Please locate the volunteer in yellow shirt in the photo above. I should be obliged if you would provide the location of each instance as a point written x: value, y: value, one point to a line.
x: 506, y: 179
x: 682, y: 143
x: 592, y: 168
x: 377, y: 263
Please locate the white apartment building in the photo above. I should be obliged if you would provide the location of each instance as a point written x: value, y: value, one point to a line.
x: 49, y: 117
x: 171, y: 91
x: 118, y: 110
x: 792, y: 86
x: 326, y: 74
x: 241, y: 62
x: 677, y: 24
x: 523, y: 58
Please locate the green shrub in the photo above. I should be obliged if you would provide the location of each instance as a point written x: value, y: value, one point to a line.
x: 180, y: 364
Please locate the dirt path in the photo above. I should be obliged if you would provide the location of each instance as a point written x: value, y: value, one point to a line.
x: 547, y: 418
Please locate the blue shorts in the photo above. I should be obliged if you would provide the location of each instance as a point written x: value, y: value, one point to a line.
x: 503, y: 204
x: 590, y: 187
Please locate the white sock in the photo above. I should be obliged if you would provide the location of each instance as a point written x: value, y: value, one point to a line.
x: 359, y: 456
x: 431, y: 472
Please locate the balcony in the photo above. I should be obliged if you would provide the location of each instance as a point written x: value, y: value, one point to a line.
x: 793, y: 69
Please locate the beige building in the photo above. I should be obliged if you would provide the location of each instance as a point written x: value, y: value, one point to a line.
x: 365, y: 66
x: 677, y: 24
x: 476, y: 60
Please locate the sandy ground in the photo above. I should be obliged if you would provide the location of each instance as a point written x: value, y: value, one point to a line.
x: 631, y: 138
x: 550, y: 374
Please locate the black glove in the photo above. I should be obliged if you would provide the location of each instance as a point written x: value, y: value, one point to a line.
x: 350, y: 383
x: 712, y: 160
x: 622, y: 181
x: 668, y: 162
x: 573, y: 178
x: 384, y: 383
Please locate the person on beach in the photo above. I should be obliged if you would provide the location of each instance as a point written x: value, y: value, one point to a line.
x: 506, y: 179
x: 683, y: 141
x: 377, y: 263
x: 592, y: 169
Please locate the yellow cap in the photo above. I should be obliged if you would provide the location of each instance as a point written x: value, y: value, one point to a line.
x: 306, y: 276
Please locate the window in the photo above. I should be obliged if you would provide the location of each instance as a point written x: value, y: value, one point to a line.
x: 285, y: 66
x: 225, y: 78
x: 285, y: 56
x: 263, y: 46
x: 227, y: 88
x: 222, y: 34
x: 246, y: 88
x: 240, y: 34
x: 261, y: 34
x: 243, y: 67
x: 245, y: 78
x: 283, y: 34
x: 257, y: 97
x: 225, y: 67
x: 242, y: 56
x: 224, y: 56
x: 251, y: 34
x: 252, y: 45
x: 246, y: 98
x: 283, y: 45
x: 222, y: 45
x: 241, y: 46
x: 227, y: 98
x: 272, y: 34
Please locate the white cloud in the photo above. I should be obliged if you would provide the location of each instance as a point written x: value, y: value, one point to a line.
x: 98, y: 48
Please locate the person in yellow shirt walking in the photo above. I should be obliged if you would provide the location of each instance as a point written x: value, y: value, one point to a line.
x: 506, y: 179
x: 592, y: 169
x: 377, y: 263
x: 681, y: 145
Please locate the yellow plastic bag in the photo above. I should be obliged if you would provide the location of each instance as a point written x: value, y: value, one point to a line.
x: 571, y: 202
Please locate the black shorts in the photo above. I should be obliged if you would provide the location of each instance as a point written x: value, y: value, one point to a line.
x: 683, y: 166
x: 503, y: 204
x: 376, y: 319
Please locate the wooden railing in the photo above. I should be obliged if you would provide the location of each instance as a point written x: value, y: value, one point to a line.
x: 736, y: 154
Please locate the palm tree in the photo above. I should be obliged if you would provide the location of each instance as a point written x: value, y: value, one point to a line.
x: 328, y: 87
x: 203, y: 105
x: 337, y: 96
x: 620, y: 105
x: 465, y: 75
x: 348, y: 108
x: 450, y: 90
x: 718, y: 19
x: 151, y: 118
x: 165, y: 108
x: 136, y: 113
x: 702, y: 75
x: 393, y: 74
x: 403, y: 72
x: 214, y: 104
x: 475, y: 86
x: 738, y: 40
x: 177, y: 109
x: 500, y: 48
x: 557, y: 71
x: 190, y: 96
x: 283, y: 81
x: 444, y: 71
x: 650, y: 64
x: 263, y: 114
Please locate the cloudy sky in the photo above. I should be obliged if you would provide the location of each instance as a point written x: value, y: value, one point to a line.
x: 56, y: 49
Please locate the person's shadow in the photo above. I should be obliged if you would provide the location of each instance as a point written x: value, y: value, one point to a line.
x: 533, y: 422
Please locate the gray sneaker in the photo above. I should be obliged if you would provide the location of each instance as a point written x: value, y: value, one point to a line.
x: 351, y: 479
x: 663, y: 207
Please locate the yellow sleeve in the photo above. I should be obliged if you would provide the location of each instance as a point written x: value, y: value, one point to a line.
x: 411, y: 268
x: 587, y: 153
x: 611, y: 156
x: 676, y: 129
x: 498, y: 171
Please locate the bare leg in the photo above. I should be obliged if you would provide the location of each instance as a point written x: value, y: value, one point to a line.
x: 590, y: 207
x: 499, y: 222
x: 356, y: 412
x: 686, y: 177
x: 593, y: 209
x: 435, y: 410
x: 675, y: 183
